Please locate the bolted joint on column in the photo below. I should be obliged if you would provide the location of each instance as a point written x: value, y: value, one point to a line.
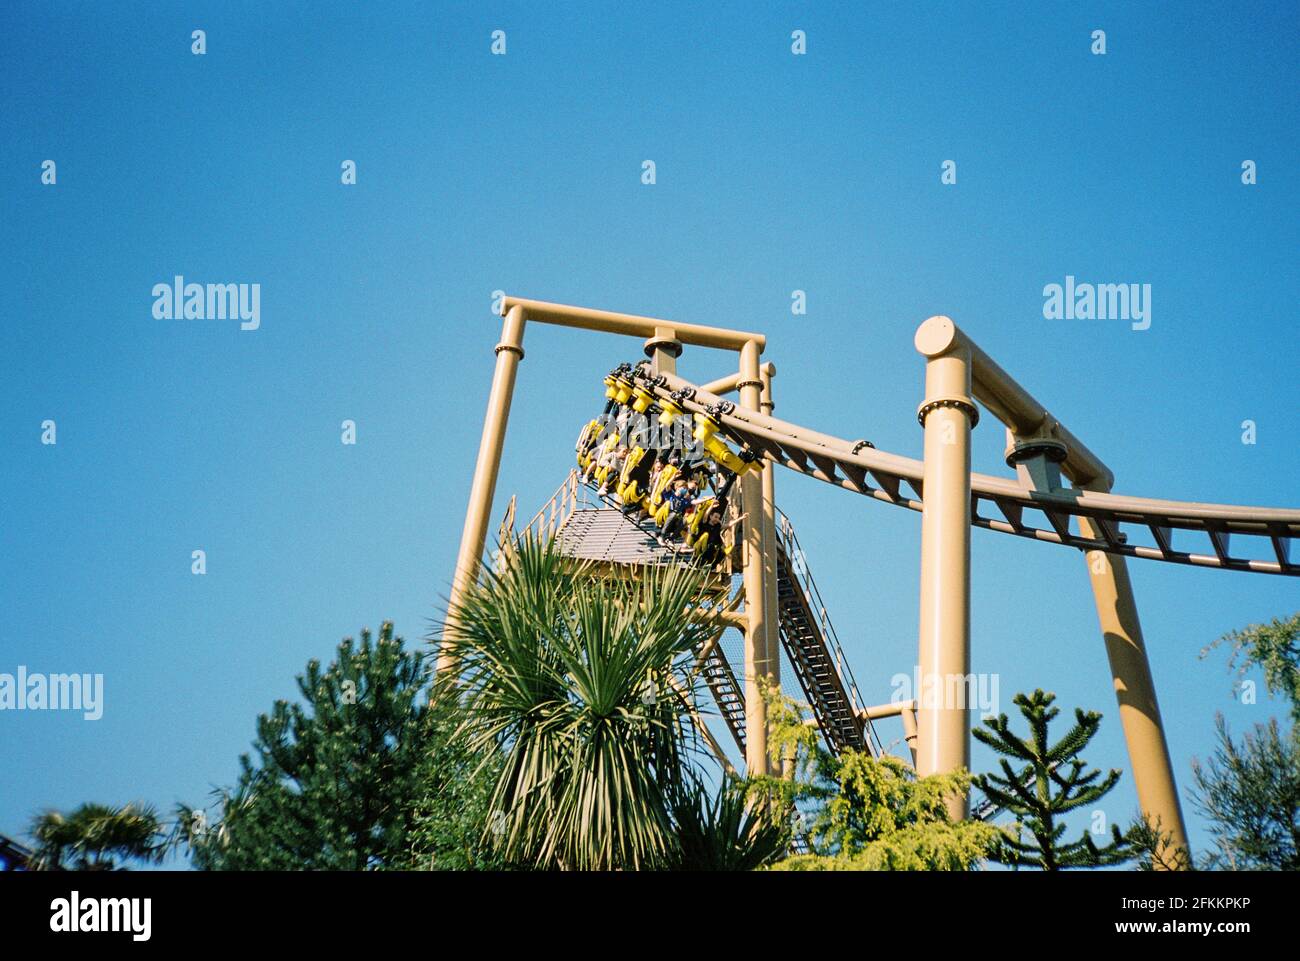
x: 668, y: 345
x: 947, y: 369
x: 513, y: 348
x: 663, y: 349
x: 956, y: 403
x: 1037, y: 459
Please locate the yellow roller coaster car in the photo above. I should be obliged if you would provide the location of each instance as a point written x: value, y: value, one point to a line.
x: 585, y: 446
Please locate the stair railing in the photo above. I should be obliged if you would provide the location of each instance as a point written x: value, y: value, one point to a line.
x: 798, y: 565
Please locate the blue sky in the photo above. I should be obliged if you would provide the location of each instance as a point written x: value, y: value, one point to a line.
x: 522, y: 172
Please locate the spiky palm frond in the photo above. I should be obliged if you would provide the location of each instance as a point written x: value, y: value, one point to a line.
x: 97, y: 837
x: 574, y: 675
x: 734, y: 829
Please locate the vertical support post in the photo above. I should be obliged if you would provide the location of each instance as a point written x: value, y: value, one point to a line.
x: 508, y: 353
x: 947, y: 415
x: 770, y: 545
x: 756, y: 608
x: 908, y: 715
x: 663, y: 349
x: 1135, y: 690
x: 906, y: 711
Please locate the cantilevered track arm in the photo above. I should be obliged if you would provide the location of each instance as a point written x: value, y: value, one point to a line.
x: 999, y: 503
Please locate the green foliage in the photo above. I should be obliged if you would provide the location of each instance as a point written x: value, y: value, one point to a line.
x: 1154, y: 848
x: 731, y: 830
x: 452, y: 807
x: 1273, y: 647
x: 579, y: 684
x: 1250, y: 790
x: 338, y: 780
x: 1039, y: 793
x: 97, y: 837
x: 867, y: 813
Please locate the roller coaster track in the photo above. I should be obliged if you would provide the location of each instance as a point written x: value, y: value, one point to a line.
x: 1003, y: 504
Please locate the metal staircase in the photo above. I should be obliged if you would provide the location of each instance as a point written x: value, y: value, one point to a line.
x: 727, y: 692
x: 814, y: 651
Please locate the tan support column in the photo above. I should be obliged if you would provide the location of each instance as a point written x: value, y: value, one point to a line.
x: 509, y: 352
x: 788, y: 760
x: 947, y: 414
x: 663, y: 349
x: 909, y: 730
x: 770, y: 543
x: 756, y: 609
x: 1135, y: 690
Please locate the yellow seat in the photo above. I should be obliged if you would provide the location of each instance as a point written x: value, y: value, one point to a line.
x: 631, y: 478
x: 642, y: 399
x: 697, y: 516
x: 583, y: 447
x: 655, y: 502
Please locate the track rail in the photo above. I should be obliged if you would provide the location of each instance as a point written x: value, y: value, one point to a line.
x: 1004, y: 505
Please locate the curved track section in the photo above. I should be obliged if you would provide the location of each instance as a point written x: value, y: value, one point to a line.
x: 1002, y: 504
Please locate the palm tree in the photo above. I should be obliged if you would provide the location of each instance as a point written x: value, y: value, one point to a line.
x: 730, y: 830
x: 95, y: 837
x: 580, y: 680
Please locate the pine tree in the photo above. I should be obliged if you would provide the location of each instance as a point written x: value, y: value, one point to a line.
x: 1250, y: 789
x: 1054, y: 782
x: 340, y: 781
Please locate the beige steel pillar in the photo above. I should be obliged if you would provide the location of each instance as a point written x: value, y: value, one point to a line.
x: 910, y: 731
x: 663, y: 349
x: 756, y: 607
x: 770, y: 544
x: 1135, y: 690
x: 509, y: 352
x: 947, y: 414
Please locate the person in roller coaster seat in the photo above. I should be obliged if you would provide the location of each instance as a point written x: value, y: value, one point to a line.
x: 679, y: 500
x: 711, y: 553
x: 594, y: 451
x: 655, y: 471
x: 613, y: 459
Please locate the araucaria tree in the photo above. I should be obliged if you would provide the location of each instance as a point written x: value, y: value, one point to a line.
x: 1052, y: 782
